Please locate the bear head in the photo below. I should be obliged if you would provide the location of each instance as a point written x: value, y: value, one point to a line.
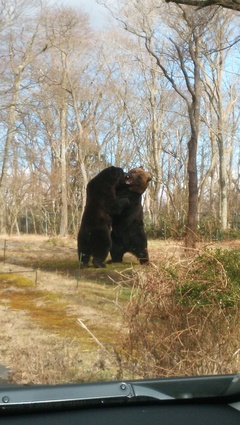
x: 116, y: 175
x: 137, y: 180
x: 112, y: 175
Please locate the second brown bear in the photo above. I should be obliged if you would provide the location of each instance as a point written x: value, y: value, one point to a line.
x: 128, y: 234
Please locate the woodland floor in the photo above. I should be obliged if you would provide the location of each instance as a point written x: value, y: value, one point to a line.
x: 60, y: 324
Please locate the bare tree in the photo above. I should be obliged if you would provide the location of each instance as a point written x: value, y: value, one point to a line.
x: 188, y: 29
x: 21, y: 49
x: 221, y: 100
x: 67, y: 34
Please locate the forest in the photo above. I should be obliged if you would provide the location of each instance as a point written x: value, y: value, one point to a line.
x: 158, y: 88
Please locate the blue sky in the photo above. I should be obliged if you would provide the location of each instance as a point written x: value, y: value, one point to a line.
x: 97, y: 13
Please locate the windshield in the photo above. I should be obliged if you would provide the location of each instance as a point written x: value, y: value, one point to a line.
x: 120, y: 193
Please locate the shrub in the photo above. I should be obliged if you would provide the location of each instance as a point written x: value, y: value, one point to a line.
x: 185, y: 320
x: 213, y: 279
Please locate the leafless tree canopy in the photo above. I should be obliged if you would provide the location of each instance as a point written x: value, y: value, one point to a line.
x: 159, y: 89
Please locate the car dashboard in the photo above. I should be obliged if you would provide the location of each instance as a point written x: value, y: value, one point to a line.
x: 191, y: 400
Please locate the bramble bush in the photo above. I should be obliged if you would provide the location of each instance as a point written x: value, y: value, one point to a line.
x: 184, y: 318
x: 213, y: 279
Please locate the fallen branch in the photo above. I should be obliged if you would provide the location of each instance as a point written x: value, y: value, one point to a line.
x: 92, y: 335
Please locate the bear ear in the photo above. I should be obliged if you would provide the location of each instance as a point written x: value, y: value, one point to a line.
x: 113, y: 170
x: 149, y: 179
x: 141, y: 166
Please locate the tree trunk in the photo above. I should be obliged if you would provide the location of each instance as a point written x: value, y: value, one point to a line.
x: 194, y: 118
x: 6, y: 152
x: 64, y: 194
x: 192, y: 218
x: 80, y: 143
x: 64, y: 206
x: 223, y: 184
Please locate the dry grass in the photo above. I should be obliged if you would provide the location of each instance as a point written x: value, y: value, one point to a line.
x: 178, y: 327
x: 43, y: 342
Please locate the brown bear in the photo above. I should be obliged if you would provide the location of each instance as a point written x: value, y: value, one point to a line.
x: 94, y: 237
x: 128, y: 233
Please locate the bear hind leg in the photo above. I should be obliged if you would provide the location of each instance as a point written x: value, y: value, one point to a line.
x: 98, y: 262
x: 116, y: 256
x: 83, y: 260
x: 117, y: 250
x: 101, y: 244
x: 143, y: 257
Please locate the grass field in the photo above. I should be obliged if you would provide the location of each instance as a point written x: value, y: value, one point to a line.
x: 61, y: 324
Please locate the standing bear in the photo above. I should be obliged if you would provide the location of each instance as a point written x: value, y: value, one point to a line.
x: 128, y: 233
x: 94, y: 237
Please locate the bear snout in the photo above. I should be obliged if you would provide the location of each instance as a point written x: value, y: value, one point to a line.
x: 127, y: 178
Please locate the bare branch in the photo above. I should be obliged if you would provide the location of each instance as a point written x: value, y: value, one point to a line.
x: 227, y: 4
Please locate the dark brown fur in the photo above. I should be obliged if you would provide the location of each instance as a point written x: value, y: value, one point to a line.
x: 94, y: 237
x: 128, y: 234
